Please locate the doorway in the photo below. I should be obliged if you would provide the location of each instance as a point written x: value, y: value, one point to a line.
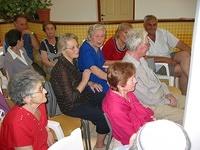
x: 116, y: 10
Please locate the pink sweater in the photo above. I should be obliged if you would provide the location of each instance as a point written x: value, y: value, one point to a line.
x: 125, y: 117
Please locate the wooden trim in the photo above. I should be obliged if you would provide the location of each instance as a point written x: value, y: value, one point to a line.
x: 133, y: 9
x: 111, y: 22
x: 99, y: 10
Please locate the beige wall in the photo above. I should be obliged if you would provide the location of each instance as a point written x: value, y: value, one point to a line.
x: 74, y: 10
x: 165, y: 9
x: 86, y: 10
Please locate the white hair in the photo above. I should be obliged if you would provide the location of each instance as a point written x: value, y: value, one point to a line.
x: 135, y: 38
x: 93, y: 28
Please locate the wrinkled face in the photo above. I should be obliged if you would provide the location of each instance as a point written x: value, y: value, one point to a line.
x: 50, y: 30
x: 130, y: 85
x: 98, y: 38
x: 144, y: 47
x: 21, y: 24
x: 150, y: 26
x: 72, y: 50
x: 38, y: 96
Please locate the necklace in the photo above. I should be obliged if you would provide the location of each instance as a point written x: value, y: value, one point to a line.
x: 120, y: 46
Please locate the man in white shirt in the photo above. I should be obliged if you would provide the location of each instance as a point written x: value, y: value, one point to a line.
x: 161, y: 43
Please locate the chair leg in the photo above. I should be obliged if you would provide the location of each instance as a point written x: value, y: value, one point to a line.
x: 108, y: 141
x: 83, y: 130
x: 109, y: 134
x: 86, y: 133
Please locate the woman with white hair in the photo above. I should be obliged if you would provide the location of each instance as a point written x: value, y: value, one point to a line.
x: 91, y: 56
x: 69, y: 86
x: 149, y: 89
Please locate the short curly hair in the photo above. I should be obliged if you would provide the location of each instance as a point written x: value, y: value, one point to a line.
x: 22, y: 85
x: 119, y: 73
x: 93, y: 28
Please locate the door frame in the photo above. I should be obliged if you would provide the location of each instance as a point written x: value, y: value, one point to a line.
x: 99, y: 11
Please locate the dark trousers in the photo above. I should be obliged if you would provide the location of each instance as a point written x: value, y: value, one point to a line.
x: 91, y: 110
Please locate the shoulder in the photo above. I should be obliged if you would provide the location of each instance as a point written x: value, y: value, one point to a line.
x: 128, y: 58
x: 85, y: 44
x: 110, y: 40
x: 163, y: 32
x: 14, y: 115
x: 113, y: 101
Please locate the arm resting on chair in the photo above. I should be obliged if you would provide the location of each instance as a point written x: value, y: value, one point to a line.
x: 162, y: 59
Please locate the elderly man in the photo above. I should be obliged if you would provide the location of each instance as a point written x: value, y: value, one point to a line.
x: 161, y: 43
x: 149, y: 90
x: 30, y: 40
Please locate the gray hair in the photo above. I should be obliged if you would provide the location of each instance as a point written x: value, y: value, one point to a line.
x: 22, y: 85
x: 122, y: 27
x: 150, y: 17
x: 135, y: 38
x: 93, y: 28
x: 62, y: 41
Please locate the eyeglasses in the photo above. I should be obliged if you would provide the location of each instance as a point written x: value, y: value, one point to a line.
x: 41, y: 88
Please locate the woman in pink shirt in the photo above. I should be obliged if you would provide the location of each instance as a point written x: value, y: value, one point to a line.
x: 124, y: 111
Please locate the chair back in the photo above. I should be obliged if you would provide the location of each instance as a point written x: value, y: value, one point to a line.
x: 55, y: 126
x: 52, y: 105
x: 72, y: 142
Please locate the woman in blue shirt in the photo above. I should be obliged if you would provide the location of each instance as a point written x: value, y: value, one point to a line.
x: 91, y: 56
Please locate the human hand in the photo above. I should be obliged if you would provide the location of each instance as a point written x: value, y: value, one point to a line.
x: 172, y: 100
x: 95, y: 87
x: 86, y: 75
x: 50, y: 138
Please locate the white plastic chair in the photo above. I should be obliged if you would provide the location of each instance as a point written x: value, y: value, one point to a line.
x: 72, y: 142
x: 55, y: 126
x: 168, y: 77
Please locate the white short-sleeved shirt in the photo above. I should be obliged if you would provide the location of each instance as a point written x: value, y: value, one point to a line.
x: 163, y: 43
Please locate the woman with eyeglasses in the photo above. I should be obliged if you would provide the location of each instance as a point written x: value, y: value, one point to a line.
x: 69, y: 86
x: 25, y: 125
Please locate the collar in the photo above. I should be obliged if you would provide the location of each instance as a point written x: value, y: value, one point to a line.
x: 136, y: 62
x: 13, y: 54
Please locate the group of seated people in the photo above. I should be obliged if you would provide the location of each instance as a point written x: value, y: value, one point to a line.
x: 128, y: 91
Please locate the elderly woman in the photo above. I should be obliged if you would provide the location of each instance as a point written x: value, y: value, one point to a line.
x: 25, y: 125
x: 149, y: 89
x: 16, y: 59
x: 69, y: 85
x: 48, y: 47
x: 121, y: 106
x: 91, y: 56
x: 115, y: 48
